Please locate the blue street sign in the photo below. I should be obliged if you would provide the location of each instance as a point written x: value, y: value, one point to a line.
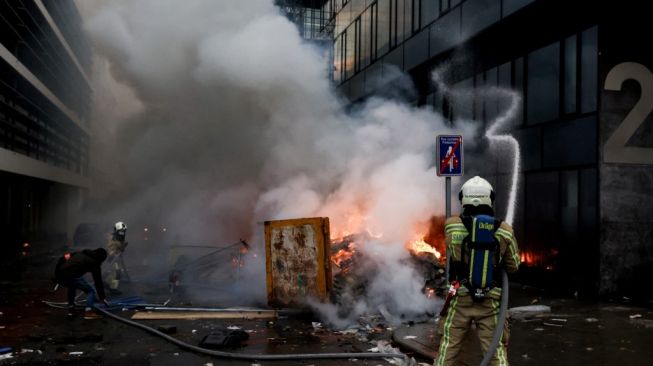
x: 450, y: 155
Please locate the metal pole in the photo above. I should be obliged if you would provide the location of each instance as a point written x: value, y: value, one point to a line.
x: 448, y: 215
x: 448, y: 193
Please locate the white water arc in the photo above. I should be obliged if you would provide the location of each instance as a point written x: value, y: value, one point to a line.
x: 493, y: 133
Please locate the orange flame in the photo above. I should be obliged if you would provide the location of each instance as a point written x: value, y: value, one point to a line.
x: 344, y: 254
x: 418, y: 245
x: 538, y: 259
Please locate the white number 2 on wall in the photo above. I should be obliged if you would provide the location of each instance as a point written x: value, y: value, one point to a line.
x: 615, y: 149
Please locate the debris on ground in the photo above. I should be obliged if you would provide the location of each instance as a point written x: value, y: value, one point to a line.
x: 591, y: 320
x: 384, y: 346
x: 224, y: 338
x: 523, y: 312
x: 635, y: 316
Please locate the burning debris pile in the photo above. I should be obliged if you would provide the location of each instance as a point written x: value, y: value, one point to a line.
x: 353, y: 271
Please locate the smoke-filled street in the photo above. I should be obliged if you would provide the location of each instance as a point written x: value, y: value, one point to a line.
x: 325, y: 182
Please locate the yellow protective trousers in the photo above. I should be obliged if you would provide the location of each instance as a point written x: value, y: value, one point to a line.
x: 115, y: 272
x: 454, y: 326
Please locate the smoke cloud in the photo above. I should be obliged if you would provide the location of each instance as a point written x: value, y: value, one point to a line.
x: 231, y: 120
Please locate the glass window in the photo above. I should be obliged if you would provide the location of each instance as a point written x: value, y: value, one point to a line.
x: 365, y: 37
x: 343, y: 19
x: 518, y: 84
x: 337, y: 60
x: 504, y: 75
x: 383, y: 27
x: 589, y: 70
x: 542, y: 84
x: 445, y: 32
x: 479, y: 83
x: 430, y: 11
x: 504, y: 82
x: 570, y: 143
x: 393, y: 23
x: 463, y: 102
x: 408, y: 18
x: 373, y: 30
x: 350, y: 54
x: 444, y: 5
x: 357, y: 7
x: 359, y: 45
x: 569, y: 202
x: 511, y: 6
x: 588, y: 199
x: 479, y: 14
x: 416, y: 15
x: 530, y: 140
x: 400, y: 20
x: 542, y: 214
x: 570, y: 75
x: 491, y: 101
x: 438, y: 100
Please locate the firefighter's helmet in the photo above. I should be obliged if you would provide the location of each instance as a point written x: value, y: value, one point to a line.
x: 476, y: 191
x: 120, y: 227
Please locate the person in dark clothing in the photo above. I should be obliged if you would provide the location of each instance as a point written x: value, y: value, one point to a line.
x: 70, y: 271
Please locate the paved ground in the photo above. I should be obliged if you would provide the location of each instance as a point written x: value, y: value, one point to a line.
x: 573, y: 334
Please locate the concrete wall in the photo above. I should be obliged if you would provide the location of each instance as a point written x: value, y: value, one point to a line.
x: 626, y: 155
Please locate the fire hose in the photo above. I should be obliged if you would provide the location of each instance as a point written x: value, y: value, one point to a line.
x: 241, y: 356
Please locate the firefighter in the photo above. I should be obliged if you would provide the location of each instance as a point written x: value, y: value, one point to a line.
x: 116, y: 245
x: 69, y: 273
x: 479, y: 246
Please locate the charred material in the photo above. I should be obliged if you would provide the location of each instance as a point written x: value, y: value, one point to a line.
x: 205, y: 265
x: 352, y: 273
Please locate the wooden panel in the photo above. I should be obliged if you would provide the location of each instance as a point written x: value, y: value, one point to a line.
x: 297, y: 261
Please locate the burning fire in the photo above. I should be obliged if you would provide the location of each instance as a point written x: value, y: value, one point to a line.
x: 344, y: 254
x: 418, y: 245
x: 539, y: 259
x: 427, y: 236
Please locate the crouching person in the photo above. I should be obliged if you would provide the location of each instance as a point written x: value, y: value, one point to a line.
x: 70, y: 271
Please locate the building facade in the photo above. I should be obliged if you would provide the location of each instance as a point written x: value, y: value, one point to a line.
x: 583, y: 70
x: 45, y: 97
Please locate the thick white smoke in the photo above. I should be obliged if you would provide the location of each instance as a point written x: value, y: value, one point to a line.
x: 238, y: 123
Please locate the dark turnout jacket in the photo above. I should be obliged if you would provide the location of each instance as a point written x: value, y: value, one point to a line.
x: 76, y: 264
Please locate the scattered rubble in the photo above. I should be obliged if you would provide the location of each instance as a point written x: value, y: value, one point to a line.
x: 224, y: 338
x: 524, y: 312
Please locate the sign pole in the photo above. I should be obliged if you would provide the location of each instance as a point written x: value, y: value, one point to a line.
x: 449, y: 152
x: 447, y: 182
